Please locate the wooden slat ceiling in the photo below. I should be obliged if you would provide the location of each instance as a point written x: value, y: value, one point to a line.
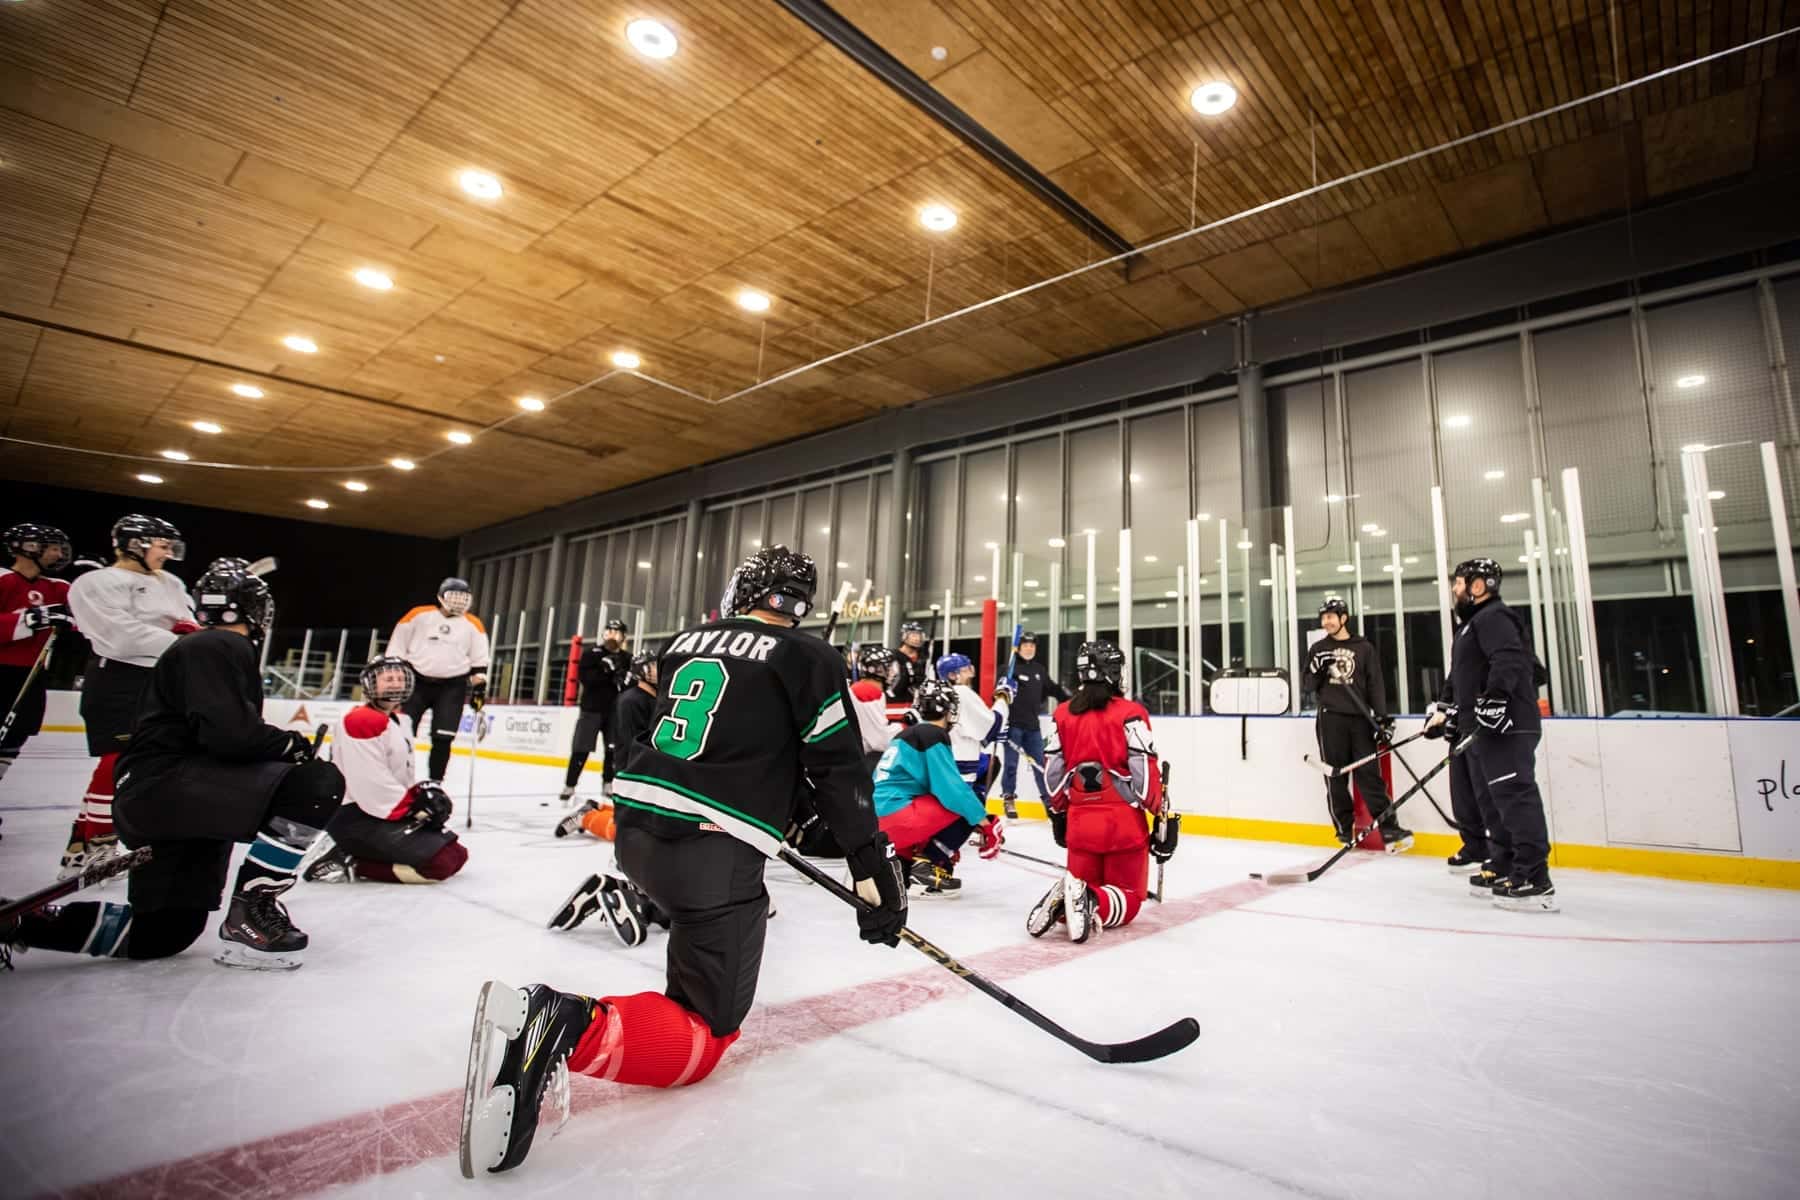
x: 186, y: 183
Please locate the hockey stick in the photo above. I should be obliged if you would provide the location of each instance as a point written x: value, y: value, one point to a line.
x: 1162, y: 818
x: 837, y: 610
x: 1157, y: 1045
x: 1032, y: 858
x: 475, y: 737
x: 1331, y: 772
x: 43, y: 660
x: 1369, y: 713
x: 1357, y: 835
x: 90, y: 875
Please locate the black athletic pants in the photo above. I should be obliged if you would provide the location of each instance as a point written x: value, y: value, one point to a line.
x: 712, y: 888
x: 444, y: 699
x: 1499, y: 772
x: 1344, y: 738
x: 110, y: 694
x: 591, y: 729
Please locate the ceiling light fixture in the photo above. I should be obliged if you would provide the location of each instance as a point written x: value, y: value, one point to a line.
x: 175, y: 455
x: 1244, y: 545
x: 531, y: 404
x: 1690, y: 381
x: 1149, y: 558
x: 300, y: 345
x: 208, y: 427
x: 753, y: 301
x: 1695, y: 448
x: 149, y: 478
x: 1371, y: 527
x: 315, y: 502
x: 355, y: 485
x: 1213, y: 97
x: 643, y: 564
x: 1346, y: 568
x: 938, y: 218
x: 1715, y: 495
x: 1334, y: 498
x: 479, y: 184
x: 402, y: 464
x: 1459, y: 421
x: 1058, y: 543
x: 1202, y: 516
x: 625, y: 360
x: 1514, y: 518
x: 369, y: 277
x: 1492, y: 476
x: 460, y: 437
x: 652, y: 39
x: 248, y: 391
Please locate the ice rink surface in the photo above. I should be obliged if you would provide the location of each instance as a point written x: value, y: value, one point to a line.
x: 1376, y: 1034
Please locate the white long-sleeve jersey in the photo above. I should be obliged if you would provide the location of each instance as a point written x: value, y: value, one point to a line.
x: 976, y: 724
x: 870, y: 703
x: 129, y: 616
x: 372, y: 750
x: 441, y: 646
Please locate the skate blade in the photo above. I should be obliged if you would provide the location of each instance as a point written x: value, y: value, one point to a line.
x: 485, y: 1133
x: 244, y: 958
x: 1530, y: 904
x: 1399, y: 847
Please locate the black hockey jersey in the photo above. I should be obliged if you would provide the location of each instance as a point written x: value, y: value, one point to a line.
x: 1490, y: 656
x: 631, y: 720
x: 1341, y: 666
x: 908, y: 674
x: 601, y: 673
x: 742, y: 708
x: 204, y: 699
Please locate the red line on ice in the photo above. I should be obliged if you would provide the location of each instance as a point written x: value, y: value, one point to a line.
x: 1531, y: 936
x: 402, y: 1135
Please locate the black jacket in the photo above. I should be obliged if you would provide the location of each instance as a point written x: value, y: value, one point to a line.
x: 1358, y: 666
x: 1031, y: 683
x: 909, y: 673
x: 1490, y: 656
x: 601, y: 673
x: 631, y: 721
x: 204, y: 700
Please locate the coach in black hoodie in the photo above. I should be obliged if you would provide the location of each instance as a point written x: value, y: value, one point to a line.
x: 1346, y: 676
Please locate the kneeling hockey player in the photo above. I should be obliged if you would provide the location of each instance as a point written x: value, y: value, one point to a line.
x: 977, y: 726
x: 926, y: 808
x: 746, y: 704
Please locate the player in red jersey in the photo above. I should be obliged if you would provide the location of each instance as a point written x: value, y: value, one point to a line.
x: 33, y: 605
x: 1105, y: 784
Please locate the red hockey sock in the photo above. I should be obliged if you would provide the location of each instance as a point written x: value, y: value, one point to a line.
x: 1115, y: 905
x: 96, y: 819
x: 648, y: 1039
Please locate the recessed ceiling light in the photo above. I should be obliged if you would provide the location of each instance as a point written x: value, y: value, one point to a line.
x: 1371, y: 527
x: 1346, y: 568
x: 1136, y: 478
x: 978, y: 579
x: 1715, y: 495
x: 1699, y: 447
x: 643, y: 564
x: 1690, y: 381
x: 1171, y: 595
x: 208, y: 427
x: 824, y: 529
x: 843, y: 566
x: 625, y: 360
x: 355, y: 485
x: 1202, y: 516
x: 369, y: 277
x: 652, y: 39
x: 1058, y: 543
x: 175, y: 455
x: 248, y: 391
x: 479, y: 184
x: 315, y: 502
x: 1459, y: 421
x: 1334, y: 498
x: 753, y: 301
x: 1491, y: 476
x: 1244, y: 545
x: 149, y: 478
x: 402, y: 464
x: 1411, y: 559
x: 937, y: 217
x: 460, y: 437
x: 529, y: 404
x: 1031, y: 583
x: 300, y: 345
x: 1149, y: 558
x: 1213, y: 97
x: 1514, y: 518
x: 939, y: 53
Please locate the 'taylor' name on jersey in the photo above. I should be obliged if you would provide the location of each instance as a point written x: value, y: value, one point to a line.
x: 732, y: 643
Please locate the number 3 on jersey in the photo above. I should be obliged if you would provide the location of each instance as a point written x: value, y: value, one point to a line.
x: 694, y: 693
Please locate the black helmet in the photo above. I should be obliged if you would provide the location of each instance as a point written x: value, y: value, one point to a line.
x: 874, y: 661
x: 27, y: 540
x: 776, y: 578
x: 454, y: 596
x: 1027, y: 636
x: 132, y: 535
x: 935, y: 699
x: 379, y: 684
x: 228, y: 594
x: 1334, y: 604
x: 643, y: 663
x: 1101, y: 662
x: 1479, y: 568
x: 912, y: 627
x: 616, y: 624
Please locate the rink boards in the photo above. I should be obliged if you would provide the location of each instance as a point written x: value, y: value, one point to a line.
x: 1703, y: 798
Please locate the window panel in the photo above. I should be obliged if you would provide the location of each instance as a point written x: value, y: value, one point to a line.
x: 1390, y: 453
x: 714, y: 567
x: 934, y: 541
x: 985, y: 504
x: 1487, y: 464
x: 782, y: 511
x: 1593, y: 418
x: 1097, y: 502
x: 749, y: 530
x: 852, y: 562
x: 1158, y: 486
x: 815, y: 529
x: 1315, y: 469
x: 1218, y: 463
x: 883, y: 530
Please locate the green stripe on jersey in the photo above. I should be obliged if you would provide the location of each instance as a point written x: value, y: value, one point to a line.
x: 827, y: 719
x: 825, y: 733
x: 660, y: 792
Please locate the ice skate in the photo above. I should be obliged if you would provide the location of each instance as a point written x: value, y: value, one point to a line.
x: 935, y: 882
x: 1483, y: 882
x: 1519, y: 895
x: 571, y: 823
x: 1463, y: 863
x: 1010, y: 806
x: 1397, y: 842
x: 257, y: 934
x: 1044, y: 914
x: 331, y: 865
x: 582, y: 903
x: 627, y: 910
x: 541, y: 1027
x: 567, y: 796
x: 1078, y: 910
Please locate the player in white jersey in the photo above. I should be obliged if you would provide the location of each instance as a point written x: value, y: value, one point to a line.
x: 977, y: 726
x: 130, y: 613
x: 447, y: 648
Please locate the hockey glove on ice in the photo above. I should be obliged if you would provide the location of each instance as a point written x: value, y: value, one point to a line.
x: 46, y: 616
x: 1490, y: 714
x: 1059, y: 826
x: 1440, y: 719
x: 993, y: 836
x: 881, y: 886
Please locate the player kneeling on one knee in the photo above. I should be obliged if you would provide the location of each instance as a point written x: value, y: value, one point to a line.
x: 924, y: 805
x: 389, y: 828
x: 1104, y: 785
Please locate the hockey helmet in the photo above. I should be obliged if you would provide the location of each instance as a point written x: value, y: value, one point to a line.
x: 387, y: 680
x: 1485, y: 569
x: 1027, y: 636
x: 619, y: 627
x: 775, y: 578
x: 29, y: 540
x: 454, y: 596
x: 1101, y: 662
x: 874, y: 662
x: 911, y: 627
x: 935, y: 699
x: 1334, y: 604
x: 132, y: 535
x: 950, y: 664
x: 643, y: 669
x: 228, y: 594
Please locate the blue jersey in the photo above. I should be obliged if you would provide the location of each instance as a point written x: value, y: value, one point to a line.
x: 919, y: 763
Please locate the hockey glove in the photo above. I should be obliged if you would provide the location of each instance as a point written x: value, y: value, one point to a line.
x: 477, y: 692
x: 1440, y: 719
x: 1384, y: 731
x: 1490, y: 714
x: 1164, y: 834
x: 993, y: 836
x: 428, y: 806
x: 46, y: 616
x: 1320, y: 662
x: 1059, y: 826
x: 881, y: 886
x: 299, y: 748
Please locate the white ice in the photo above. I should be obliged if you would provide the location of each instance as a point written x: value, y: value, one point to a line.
x: 1375, y: 1034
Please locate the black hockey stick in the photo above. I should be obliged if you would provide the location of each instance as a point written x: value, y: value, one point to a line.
x: 1032, y: 858
x: 1160, y: 1044
x: 1369, y: 714
x: 90, y: 875
x: 1331, y: 772
x: 1357, y: 835
x: 1162, y: 819
x: 43, y: 660
x: 837, y: 610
